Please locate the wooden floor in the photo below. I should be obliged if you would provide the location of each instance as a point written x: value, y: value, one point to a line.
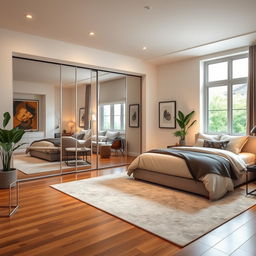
x: 114, y: 160
x: 52, y: 223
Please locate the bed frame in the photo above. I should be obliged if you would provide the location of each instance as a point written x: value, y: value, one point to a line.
x: 191, y: 185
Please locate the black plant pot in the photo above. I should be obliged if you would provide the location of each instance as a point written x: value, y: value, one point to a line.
x: 7, y: 178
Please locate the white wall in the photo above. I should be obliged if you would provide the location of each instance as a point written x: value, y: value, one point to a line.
x: 181, y: 81
x: 20, y: 44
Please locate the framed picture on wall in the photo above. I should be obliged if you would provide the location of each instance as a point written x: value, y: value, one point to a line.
x: 26, y: 114
x: 167, y: 114
x: 134, y: 115
x: 81, y: 117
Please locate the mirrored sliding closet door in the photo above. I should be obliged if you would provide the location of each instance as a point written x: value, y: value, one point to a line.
x: 37, y: 110
x: 75, y: 119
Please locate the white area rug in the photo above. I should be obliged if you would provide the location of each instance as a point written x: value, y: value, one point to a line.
x: 32, y: 165
x: 176, y: 216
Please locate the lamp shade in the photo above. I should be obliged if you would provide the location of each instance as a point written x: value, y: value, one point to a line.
x: 253, y: 129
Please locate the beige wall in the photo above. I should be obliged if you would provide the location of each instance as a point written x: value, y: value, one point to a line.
x: 45, y: 93
x: 133, y: 135
x: 112, y: 91
x: 20, y: 44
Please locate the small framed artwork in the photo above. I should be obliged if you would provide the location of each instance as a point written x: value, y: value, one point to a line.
x: 26, y: 114
x: 167, y: 114
x: 134, y: 115
x: 81, y: 117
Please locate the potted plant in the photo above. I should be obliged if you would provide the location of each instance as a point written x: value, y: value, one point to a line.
x: 8, y: 144
x: 184, y: 123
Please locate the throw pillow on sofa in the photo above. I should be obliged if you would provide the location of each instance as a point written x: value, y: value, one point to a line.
x: 111, y: 135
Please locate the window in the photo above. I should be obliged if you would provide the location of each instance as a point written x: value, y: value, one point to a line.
x: 112, y: 116
x: 225, y: 94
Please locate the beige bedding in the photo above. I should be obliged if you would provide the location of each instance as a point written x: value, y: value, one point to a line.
x: 43, y: 146
x: 216, y: 185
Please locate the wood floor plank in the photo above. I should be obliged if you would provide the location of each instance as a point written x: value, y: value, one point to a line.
x: 51, y: 223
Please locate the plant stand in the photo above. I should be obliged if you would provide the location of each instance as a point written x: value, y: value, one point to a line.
x: 12, y: 207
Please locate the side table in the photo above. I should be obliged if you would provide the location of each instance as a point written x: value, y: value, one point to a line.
x: 12, y: 207
x: 250, y: 168
x: 84, y: 152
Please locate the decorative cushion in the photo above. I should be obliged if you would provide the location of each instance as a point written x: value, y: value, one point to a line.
x: 87, y: 134
x: 100, y: 138
x: 78, y: 136
x: 111, y: 135
x: 216, y: 144
x: 236, y: 143
x: 102, y: 133
x: 202, y: 137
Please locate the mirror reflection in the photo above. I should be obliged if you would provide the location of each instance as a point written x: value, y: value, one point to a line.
x: 76, y: 119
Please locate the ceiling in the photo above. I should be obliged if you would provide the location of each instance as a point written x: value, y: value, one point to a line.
x: 169, y: 29
x: 47, y: 73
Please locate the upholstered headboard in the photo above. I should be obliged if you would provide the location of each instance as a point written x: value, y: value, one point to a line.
x: 250, y: 145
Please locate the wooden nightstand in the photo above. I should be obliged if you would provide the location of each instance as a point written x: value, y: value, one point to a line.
x: 250, y: 168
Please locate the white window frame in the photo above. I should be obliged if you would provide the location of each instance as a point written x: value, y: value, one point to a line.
x: 229, y: 83
x: 112, y: 116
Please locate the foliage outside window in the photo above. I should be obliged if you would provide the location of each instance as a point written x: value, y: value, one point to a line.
x: 225, y: 87
x: 112, y: 116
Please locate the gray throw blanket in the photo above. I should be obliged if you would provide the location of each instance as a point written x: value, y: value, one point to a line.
x: 200, y: 164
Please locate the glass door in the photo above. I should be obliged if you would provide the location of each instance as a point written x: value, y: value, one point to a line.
x: 69, y: 138
x: 111, y: 119
x: 37, y: 110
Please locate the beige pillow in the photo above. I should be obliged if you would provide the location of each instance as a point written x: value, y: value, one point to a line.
x: 236, y: 143
x: 201, y: 137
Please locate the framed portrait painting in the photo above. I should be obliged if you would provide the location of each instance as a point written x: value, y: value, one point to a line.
x: 81, y: 117
x: 134, y: 115
x: 167, y: 114
x: 26, y: 114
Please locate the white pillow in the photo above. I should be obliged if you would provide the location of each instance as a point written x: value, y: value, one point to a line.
x: 102, y: 133
x: 236, y: 143
x: 100, y: 138
x: 201, y: 137
x: 112, y: 135
x: 87, y: 134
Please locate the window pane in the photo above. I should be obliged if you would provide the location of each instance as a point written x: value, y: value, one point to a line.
x: 218, y: 121
x: 239, y: 121
x: 217, y: 114
x: 239, y: 96
x: 218, y: 71
x: 106, y: 110
x: 117, y: 123
x: 239, y: 112
x: 106, y: 124
x: 218, y: 99
x: 117, y: 109
x: 240, y: 68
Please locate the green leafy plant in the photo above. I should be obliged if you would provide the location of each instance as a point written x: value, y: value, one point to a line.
x: 184, y: 124
x: 8, y: 142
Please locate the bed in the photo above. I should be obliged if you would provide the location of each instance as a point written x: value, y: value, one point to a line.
x: 50, y: 149
x: 173, y: 171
